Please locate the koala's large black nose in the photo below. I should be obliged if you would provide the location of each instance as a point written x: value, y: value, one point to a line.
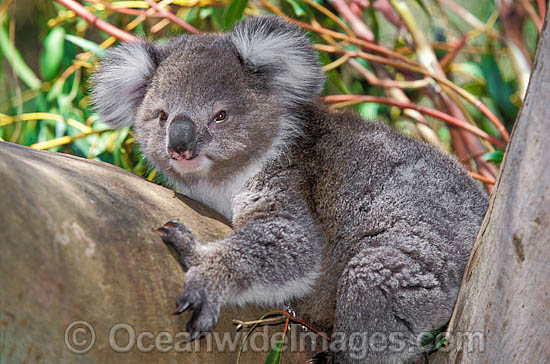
x: 182, y: 138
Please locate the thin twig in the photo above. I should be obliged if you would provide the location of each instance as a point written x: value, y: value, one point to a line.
x: 421, y: 125
x: 331, y: 15
x: 95, y: 21
x: 387, y: 83
x: 364, y: 44
x: 384, y: 7
x: 461, y: 92
x: 541, y: 4
x: 449, y: 47
x: 528, y: 7
x: 483, y: 179
x: 337, y: 63
x: 303, y: 323
x: 346, y: 100
x: 168, y: 15
x: 67, y: 139
x: 452, y: 54
x: 127, y: 11
x: 471, y: 19
x: 239, y: 325
x: 356, y: 23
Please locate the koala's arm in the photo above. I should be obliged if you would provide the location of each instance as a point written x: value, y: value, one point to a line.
x: 274, y: 253
x: 272, y: 256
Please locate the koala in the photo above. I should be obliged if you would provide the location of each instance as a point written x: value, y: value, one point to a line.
x: 362, y: 230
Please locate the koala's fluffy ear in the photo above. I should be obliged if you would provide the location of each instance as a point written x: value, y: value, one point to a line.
x: 120, y: 82
x: 282, y: 51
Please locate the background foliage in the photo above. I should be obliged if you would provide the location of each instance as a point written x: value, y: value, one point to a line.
x: 452, y: 72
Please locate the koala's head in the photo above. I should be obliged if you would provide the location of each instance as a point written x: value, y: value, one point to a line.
x: 212, y: 103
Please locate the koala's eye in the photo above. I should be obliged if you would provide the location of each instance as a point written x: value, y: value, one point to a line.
x: 220, y: 116
x: 163, y: 116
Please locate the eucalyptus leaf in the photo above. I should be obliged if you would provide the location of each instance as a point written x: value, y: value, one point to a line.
x: 495, y: 156
x: 234, y: 13
x: 298, y: 9
x: 53, y: 53
x: 86, y: 44
x: 12, y: 55
x: 369, y: 110
x: 498, y: 89
x: 276, y: 354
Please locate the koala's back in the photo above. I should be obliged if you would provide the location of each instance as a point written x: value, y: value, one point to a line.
x: 398, y: 216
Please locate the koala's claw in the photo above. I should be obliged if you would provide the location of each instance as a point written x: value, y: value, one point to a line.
x: 200, y: 324
x: 174, y: 231
x: 162, y: 230
x: 173, y: 224
x: 192, y: 336
x: 182, y: 308
x: 204, y: 303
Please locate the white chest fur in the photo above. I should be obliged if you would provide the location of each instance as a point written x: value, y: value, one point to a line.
x: 219, y: 195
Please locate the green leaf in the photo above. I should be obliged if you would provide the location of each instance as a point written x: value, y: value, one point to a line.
x: 60, y: 128
x: 55, y: 91
x: 438, y: 345
x: 16, y: 61
x: 205, y: 13
x: 374, y: 25
x: 64, y: 101
x: 427, y: 338
x: 495, y: 156
x: 484, y: 123
x: 333, y: 76
x: 444, y: 135
x: 217, y: 17
x: 276, y: 354
x: 193, y: 15
x: 469, y: 68
x: 234, y: 13
x: 86, y: 44
x: 298, y: 9
x: 498, y: 89
x: 51, y: 58
x: 369, y: 110
x: 475, y: 88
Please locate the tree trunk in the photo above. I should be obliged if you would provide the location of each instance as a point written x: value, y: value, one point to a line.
x: 77, y: 244
x: 503, y: 310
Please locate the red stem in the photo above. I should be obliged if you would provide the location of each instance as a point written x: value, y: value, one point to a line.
x: 384, y: 7
x: 127, y: 11
x: 452, y: 54
x: 422, y: 109
x: 173, y: 18
x: 354, y: 21
x: 542, y: 8
x: 482, y: 178
x: 82, y: 12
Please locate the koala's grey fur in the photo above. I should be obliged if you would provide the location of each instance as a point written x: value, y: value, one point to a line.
x: 364, y: 230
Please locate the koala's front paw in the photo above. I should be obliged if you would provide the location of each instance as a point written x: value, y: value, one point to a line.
x: 181, y: 239
x: 205, y: 305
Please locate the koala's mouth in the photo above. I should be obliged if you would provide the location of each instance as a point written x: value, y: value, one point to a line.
x: 181, y: 156
x: 189, y: 163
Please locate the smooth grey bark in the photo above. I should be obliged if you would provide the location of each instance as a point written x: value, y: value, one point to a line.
x: 77, y: 243
x: 504, y: 301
